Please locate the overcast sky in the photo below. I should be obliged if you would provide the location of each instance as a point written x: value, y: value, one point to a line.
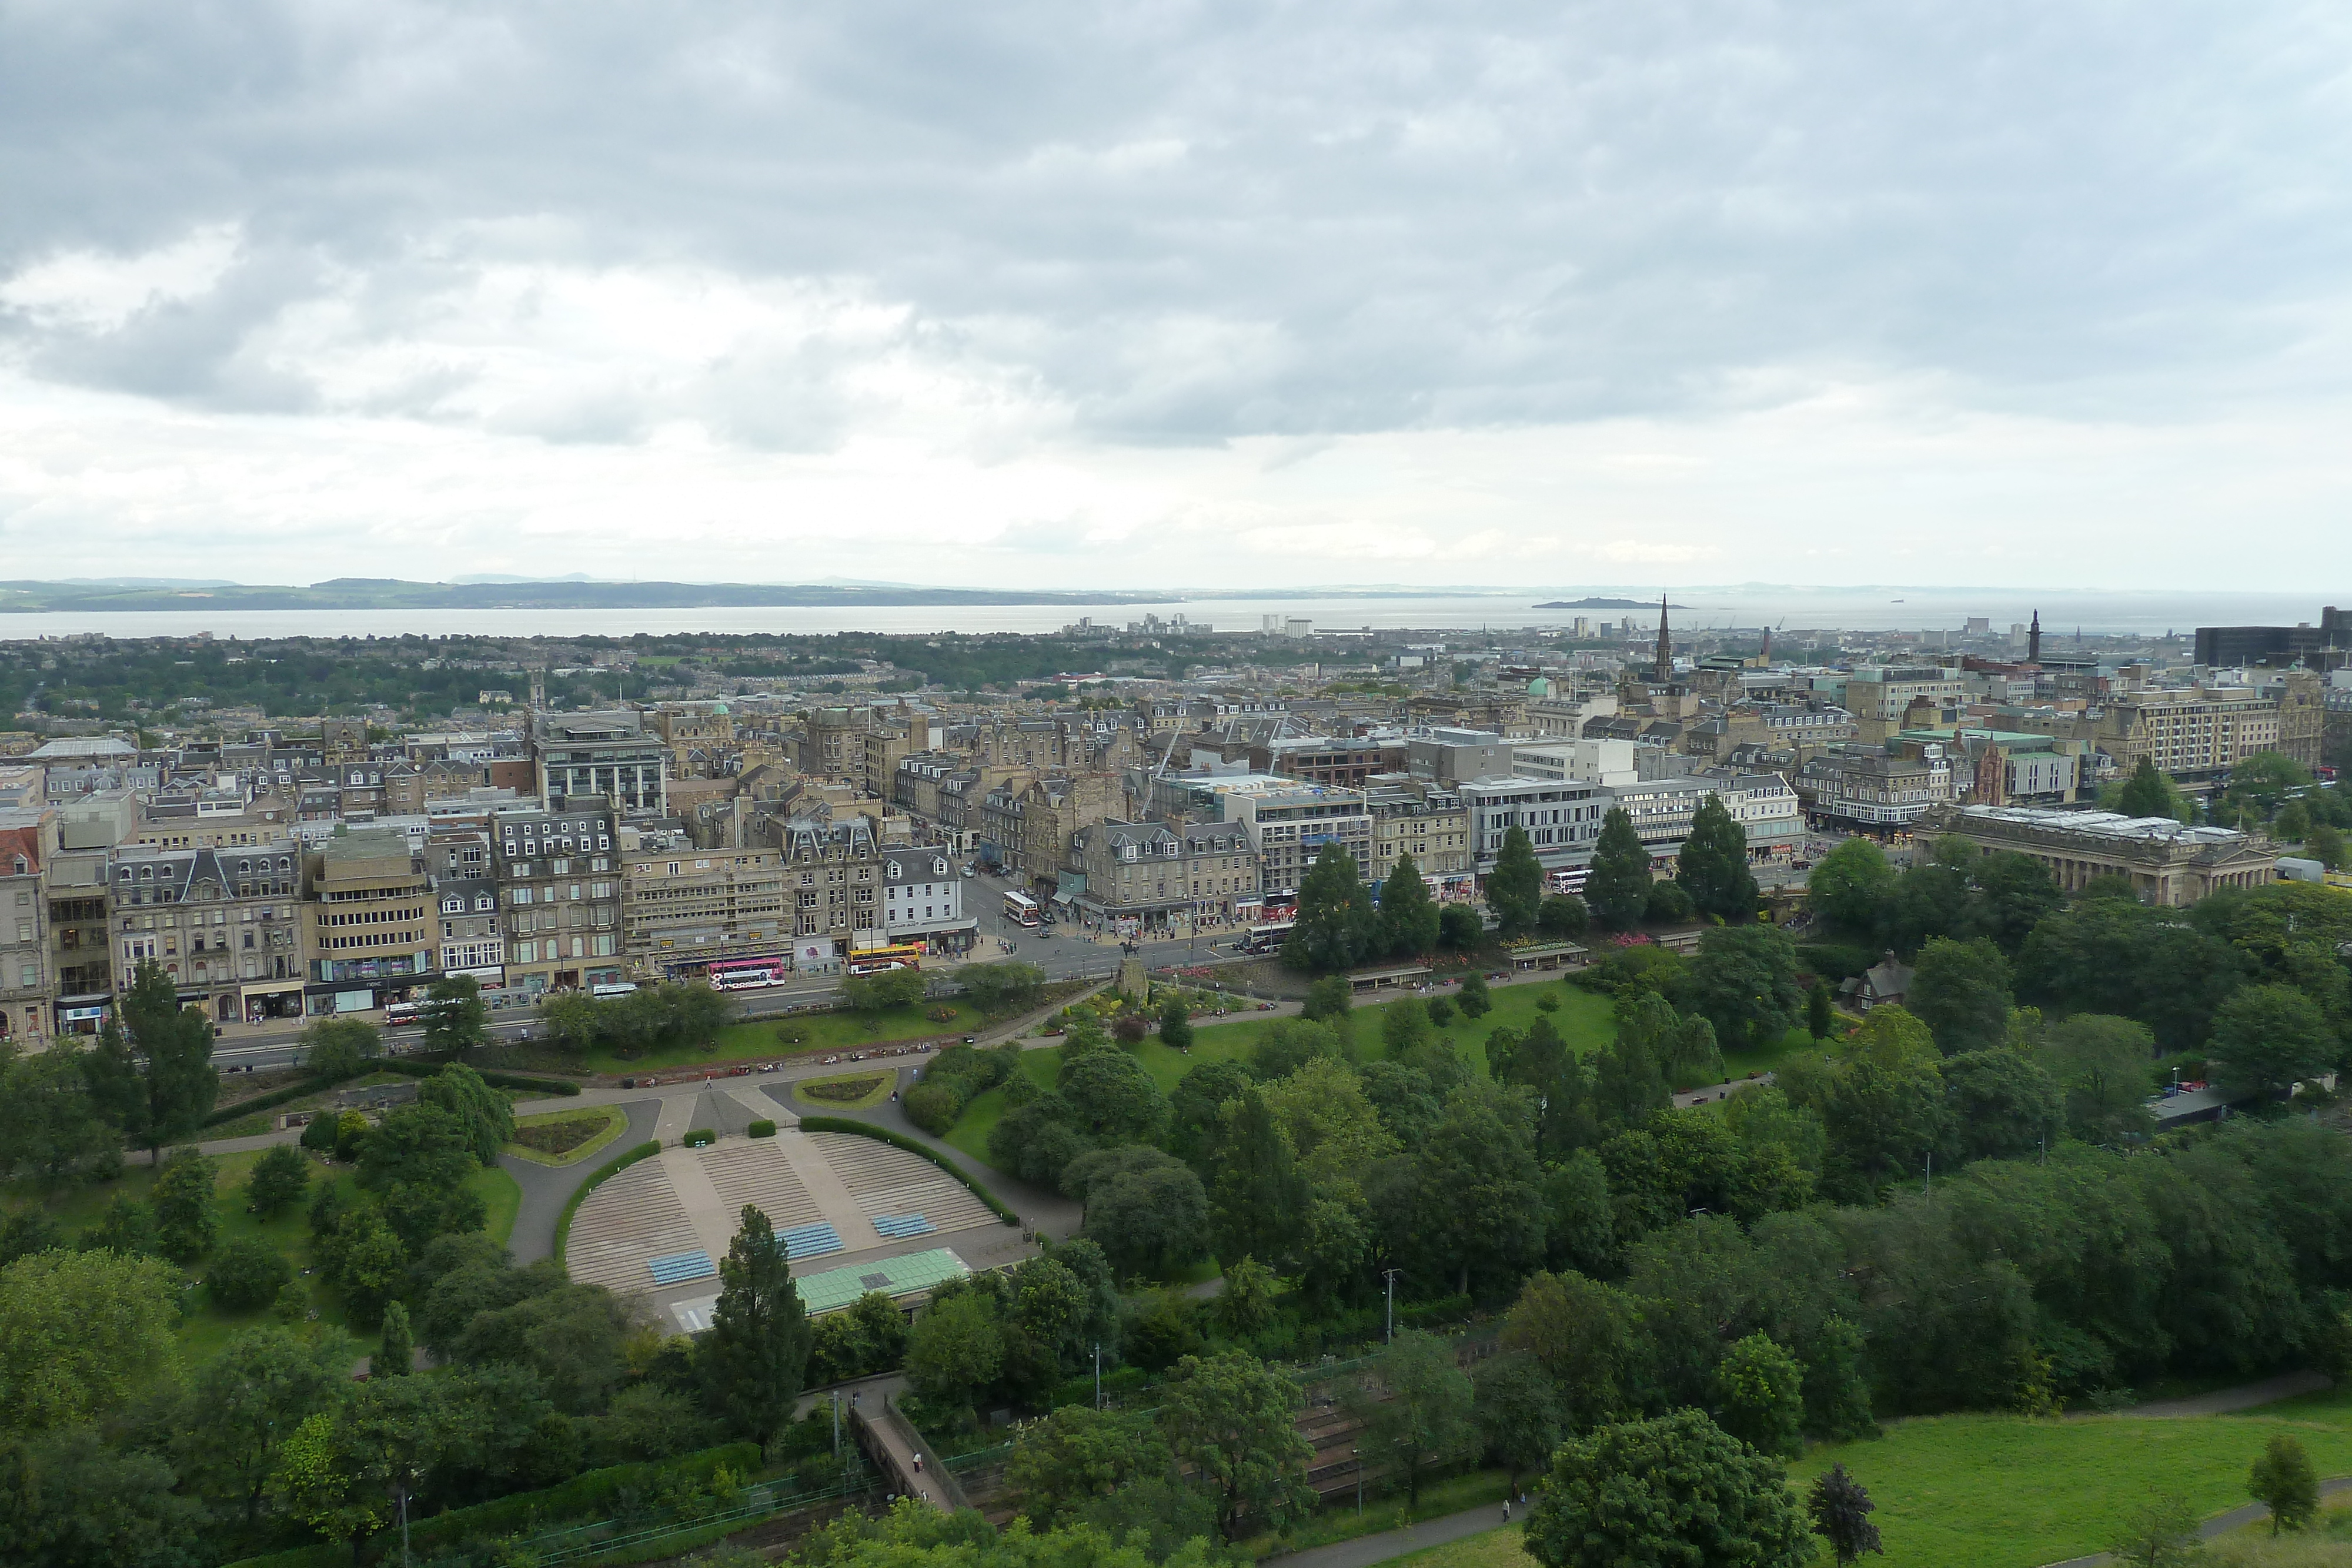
x: 1187, y: 295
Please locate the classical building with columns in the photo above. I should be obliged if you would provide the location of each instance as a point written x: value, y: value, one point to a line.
x: 2169, y: 863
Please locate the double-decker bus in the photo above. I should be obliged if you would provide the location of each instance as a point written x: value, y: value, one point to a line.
x: 875, y: 960
x: 1568, y: 879
x: 1268, y: 938
x: 1021, y: 909
x: 749, y: 974
x: 396, y: 1014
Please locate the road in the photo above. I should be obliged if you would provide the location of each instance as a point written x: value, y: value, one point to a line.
x: 1063, y: 952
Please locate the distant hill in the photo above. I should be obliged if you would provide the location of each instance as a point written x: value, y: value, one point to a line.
x: 1605, y: 604
x: 392, y: 593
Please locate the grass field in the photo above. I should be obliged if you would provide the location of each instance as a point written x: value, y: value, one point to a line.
x: 757, y: 1041
x: 256, y: 1123
x: 207, y: 1328
x: 1502, y: 1547
x: 2000, y: 1491
x: 609, y: 1122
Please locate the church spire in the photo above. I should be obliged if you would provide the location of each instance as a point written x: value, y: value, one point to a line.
x: 2033, y: 641
x: 1666, y: 665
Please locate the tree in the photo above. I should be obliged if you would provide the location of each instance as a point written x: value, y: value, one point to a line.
x: 280, y: 1180
x: 1176, y: 1025
x: 1007, y: 987
x: 1821, y: 1017
x: 2260, y: 783
x: 457, y: 1020
x: 956, y: 1348
x: 1329, y: 1001
x: 1113, y: 1098
x: 81, y: 1334
x: 419, y: 1145
x: 1563, y: 915
x: 1674, y: 1490
x: 1744, y: 981
x: 1425, y: 1413
x: 67, y: 1500
x: 1759, y: 1397
x: 871, y: 996
x: 1334, y: 925
x: 1148, y: 1210
x: 154, y: 1078
x: 1075, y: 1456
x: 1851, y: 887
x: 1516, y: 1412
x: 185, y: 1225
x: 1409, y: 917
x: 1192, y: 1108
x: 395, y: 1356
x: 1231, y: 1419
x: 246, y: 1402
x: 573, y: 1021
x: 1515, y: 887
x: 2282, y: 1477
x: 758, y: 1344
x: 1960, y: 991
x: 1481, y: 1156
x: 1840, y: 1513
x: 487, y: 1115
x: 2009, y: 893
x: 1256, y: 1196
x: 2148, y: 793
x: 1713, y: 865
x: 2004, y: 1105
x: 1618, y: 888
x: 2160, y: 1532
x: 334, y: 1049
x: 1459, y: 929
x: 2326, y: 844
x: 50, y: 1124
x: 2266, y: 1038
x: 248, y: 1274
x: 1475, y: 1000
x: 1406, y: 1027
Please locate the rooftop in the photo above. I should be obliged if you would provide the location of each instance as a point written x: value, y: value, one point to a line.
x: 2103, y: 824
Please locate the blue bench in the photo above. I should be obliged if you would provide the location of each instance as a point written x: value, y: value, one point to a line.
x: 680, y: 1267
x: 812, y: 1241
x: 897, y: 1226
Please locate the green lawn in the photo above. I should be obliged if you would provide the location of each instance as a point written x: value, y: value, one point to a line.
x: 256, y: 1123
x: 2001, y: 1491
x: 873, y: 1088
x: 207, y: 1328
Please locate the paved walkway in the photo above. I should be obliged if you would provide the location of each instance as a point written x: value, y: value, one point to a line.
x: 2245, y: 1397
x: 2220, y: 1524
x: 1714, y: 1092
x: 1416, y: 1537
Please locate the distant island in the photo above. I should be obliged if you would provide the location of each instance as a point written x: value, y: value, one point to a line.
x: 1605, y: 604
x: 392, y: 593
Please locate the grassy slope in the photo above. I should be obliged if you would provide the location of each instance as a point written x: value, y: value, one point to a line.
x: 1999, y: 1491
x: 1498, y: 1548
x: 207, y: 1328
x: 758, y: 1042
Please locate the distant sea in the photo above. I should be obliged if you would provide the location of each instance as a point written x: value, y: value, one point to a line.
x: 1872, y: 609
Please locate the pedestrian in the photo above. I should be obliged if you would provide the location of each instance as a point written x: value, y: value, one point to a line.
x: 918, y: 1464
x: 1507, y: 1510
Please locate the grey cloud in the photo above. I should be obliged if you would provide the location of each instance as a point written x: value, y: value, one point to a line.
x: 1193, y: 221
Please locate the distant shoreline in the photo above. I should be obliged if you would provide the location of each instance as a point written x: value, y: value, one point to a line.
x: 1605, y: 604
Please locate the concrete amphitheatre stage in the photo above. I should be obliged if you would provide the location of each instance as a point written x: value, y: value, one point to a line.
x: 845, y: 1205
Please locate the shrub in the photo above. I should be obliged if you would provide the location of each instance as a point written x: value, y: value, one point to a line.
x: 933, y: 1107
x: 700, y: 1138
x: 941, y: 1014
x: 791, y: 1031
x: 763, y: 1129
x: 280, y: 1180
x: 318, y: 1132
x: 1441, y: 1011
x: 248, y: 1273
x: 1546, y: 1003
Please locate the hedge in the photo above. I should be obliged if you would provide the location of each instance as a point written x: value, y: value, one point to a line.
x: 495, y: 1079
x: 762, y: 1130
x: 700, y: 1138
x: 571, y: 1208
x: 590, y: 1491
x: 270, y: 1101
x: 868, y: 1130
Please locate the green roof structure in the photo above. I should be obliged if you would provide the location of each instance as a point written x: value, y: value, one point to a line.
x: 894, y: 1277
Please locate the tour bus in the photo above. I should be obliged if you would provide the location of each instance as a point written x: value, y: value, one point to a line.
x: 1268, y: 938
x: 1568, y: 879
x: 875, y: 960
x: 613, y: 989
x: 749, y: 974
x: 1021, y: 909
